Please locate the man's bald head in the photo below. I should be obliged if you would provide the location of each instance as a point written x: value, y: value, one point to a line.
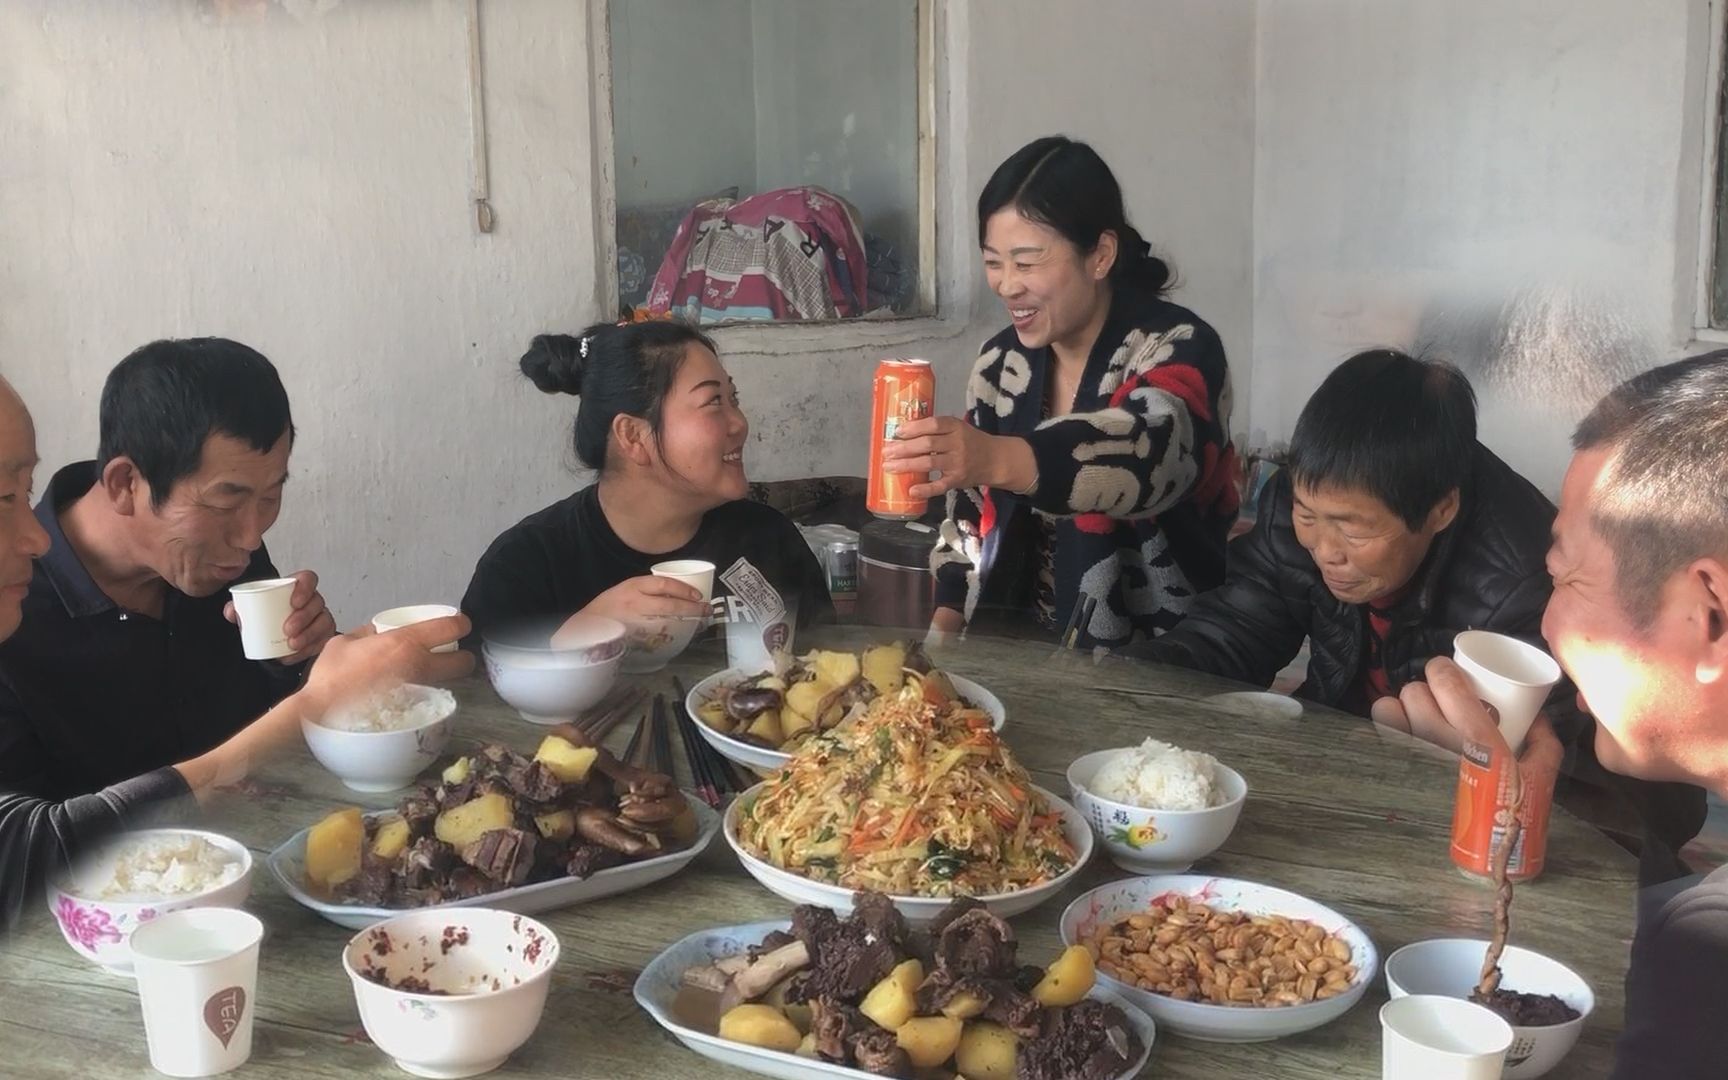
x: 22, y: 539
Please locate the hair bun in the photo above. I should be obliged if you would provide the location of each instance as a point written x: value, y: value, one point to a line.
x: 554, y: 363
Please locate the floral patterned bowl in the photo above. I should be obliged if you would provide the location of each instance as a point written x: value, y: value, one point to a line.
x: 451, y: 992
x: 1144, y: 841
x: 100, y: 929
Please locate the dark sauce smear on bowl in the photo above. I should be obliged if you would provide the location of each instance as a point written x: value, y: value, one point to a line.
x: 1527, y: 1010
x: 411, y: 984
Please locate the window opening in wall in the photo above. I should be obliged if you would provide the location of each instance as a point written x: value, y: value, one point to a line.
x: 772, y: 159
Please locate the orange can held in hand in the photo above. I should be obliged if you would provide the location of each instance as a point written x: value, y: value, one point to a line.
x: 1482, y: 812
x: 905, y: 390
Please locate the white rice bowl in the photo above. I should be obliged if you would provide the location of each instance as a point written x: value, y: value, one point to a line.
x: 1158, y: 776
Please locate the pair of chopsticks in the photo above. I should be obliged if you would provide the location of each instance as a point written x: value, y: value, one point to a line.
x: 650, y: 748
x: 619, y: 706
x: 651, y: 744
x: 714, y: 776
x: 1078, y: 620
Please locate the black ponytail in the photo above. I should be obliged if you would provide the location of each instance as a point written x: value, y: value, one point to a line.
x: 615, y: 370
x: 1063, y: 183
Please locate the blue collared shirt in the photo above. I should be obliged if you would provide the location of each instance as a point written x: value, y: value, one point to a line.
x: 92, y: 694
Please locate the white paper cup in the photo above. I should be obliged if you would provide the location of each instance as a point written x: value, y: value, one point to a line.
x: 398, y: 617
x: 693, y: 572
x: 752, y: 642
x: 197, y: 979
x: 263, y: 607
x: 1510, y: 676
x: 1429, y: 1037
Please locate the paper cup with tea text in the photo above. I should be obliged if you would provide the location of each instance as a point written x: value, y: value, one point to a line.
x: 398, y: 617
x: 1430, y: 1037
x: 693, y: 572
x: 263, y: 608
x: 752, y: 640
x: 197, y: 974
x: 1510, y: 676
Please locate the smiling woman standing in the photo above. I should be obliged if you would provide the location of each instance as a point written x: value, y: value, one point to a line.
x: 659, y: 422
x: 1094, y: 458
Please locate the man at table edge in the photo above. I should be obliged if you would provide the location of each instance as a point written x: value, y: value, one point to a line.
x: 1639, y: 620
x: 39, y: 836
x: 1392, y: 529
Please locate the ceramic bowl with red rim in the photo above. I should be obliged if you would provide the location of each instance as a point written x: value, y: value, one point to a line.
x: 138, y: 877
x: 1107, y: 905
x: 552, y: 679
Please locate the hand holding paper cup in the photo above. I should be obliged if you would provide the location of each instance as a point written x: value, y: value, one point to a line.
x: 398, y: 617
x: 263, y: 607
x: 1512, y: 677
x: 197, y: 983
x: 1430, y: 1037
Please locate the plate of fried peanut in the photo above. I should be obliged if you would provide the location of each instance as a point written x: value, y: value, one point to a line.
x: 1223, y: 960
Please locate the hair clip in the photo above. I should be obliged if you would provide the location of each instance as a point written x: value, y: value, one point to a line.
x: 582, y: 347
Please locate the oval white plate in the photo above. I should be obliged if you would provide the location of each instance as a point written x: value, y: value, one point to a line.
x: 287, y: 863
x: 755, y: 757
x: 1223, y: 1023
x: 657, y: 986
x: 916, y: 909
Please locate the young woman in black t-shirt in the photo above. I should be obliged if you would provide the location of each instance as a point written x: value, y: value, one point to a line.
x: 659, y: 422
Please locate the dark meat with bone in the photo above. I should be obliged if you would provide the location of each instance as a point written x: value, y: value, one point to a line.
x: 504, y: 855
x: 1090, y: 1040
x: 774, y: 940
x: 425, y: 859
x: 957, y: 907
x: 419, y: 810
x: 848, y: 958
x: 585, y: 860
x: 465, y: 883
x: 1015, y: 1010
x: 878, y: 916
x: 834, y: 1024
x: 877, y: 1051
x: 978, y: 944
x: 372, y: 886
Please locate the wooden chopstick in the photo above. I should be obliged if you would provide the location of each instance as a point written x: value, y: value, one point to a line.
x: 635, y: 740
x: 609, y: 713
x: 725, y: 778
x: 699, y: 773
x: 662, y: 737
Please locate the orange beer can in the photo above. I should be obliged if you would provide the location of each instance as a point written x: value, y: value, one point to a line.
x: 1482, y: 812
x: 905, y: 390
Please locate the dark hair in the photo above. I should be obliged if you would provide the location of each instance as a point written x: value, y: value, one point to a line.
x: 163, y: 401
x: 1384, y: 422
x: 1662, y: 499
x: 1063, y: 183
x: 613, y: 369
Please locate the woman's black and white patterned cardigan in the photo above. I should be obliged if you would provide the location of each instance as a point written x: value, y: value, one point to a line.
x: 1140, y: 476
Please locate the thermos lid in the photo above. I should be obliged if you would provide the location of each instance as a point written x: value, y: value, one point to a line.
x: 898, y: 543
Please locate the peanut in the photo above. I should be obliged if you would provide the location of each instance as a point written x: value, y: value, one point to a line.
x: 1195, y: 952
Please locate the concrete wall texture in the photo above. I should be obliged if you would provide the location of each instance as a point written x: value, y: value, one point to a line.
x: 1325, y: 174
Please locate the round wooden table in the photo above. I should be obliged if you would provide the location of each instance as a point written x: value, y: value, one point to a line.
x: 1353, y: 817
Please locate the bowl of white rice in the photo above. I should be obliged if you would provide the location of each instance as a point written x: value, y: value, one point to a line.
x: 382, y: 742
x: 1157, y: 808
x: 138, y: 877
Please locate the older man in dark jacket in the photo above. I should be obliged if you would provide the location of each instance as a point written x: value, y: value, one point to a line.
x: 1391, y: 531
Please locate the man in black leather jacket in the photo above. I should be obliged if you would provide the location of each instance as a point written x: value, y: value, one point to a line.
x: 1391, y: 531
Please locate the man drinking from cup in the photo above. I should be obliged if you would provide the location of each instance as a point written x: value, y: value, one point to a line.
x: 1639, y: 621
x: 129, y: 659
x: 43, y: 833
x: 1392, y: 530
